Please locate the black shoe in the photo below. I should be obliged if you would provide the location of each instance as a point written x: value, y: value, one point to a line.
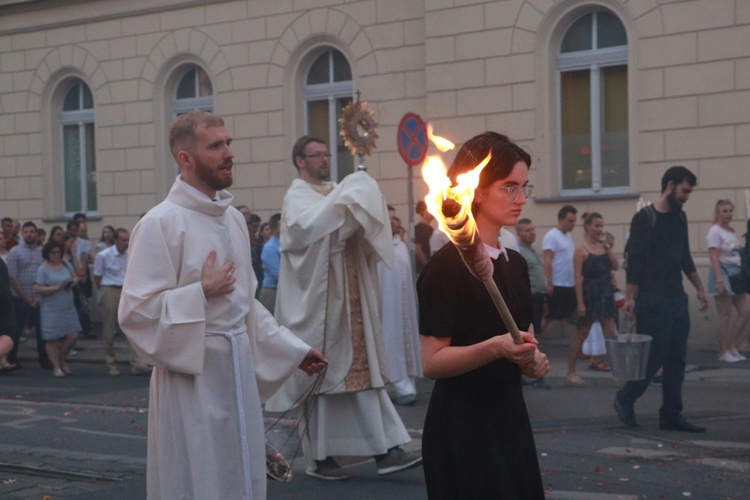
x: 328, y: 470
x: 657, y: 380
x: 626, y: 414
x: 397, y: 460
x: 681, y: 424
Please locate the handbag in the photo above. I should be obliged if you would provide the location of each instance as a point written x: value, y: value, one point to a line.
x: 594, y: 344
x: 734, y: 275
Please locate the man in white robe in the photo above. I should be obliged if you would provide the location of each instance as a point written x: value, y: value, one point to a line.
x: 398, y: 310
x: 331, y: 239
x: 187, y: 308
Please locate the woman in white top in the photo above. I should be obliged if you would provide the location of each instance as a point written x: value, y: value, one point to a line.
x: 723, y: 249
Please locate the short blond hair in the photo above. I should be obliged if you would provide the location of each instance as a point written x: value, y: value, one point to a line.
x: 183, y: 128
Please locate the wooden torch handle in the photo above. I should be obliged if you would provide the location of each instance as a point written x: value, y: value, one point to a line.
x: 502, y: 308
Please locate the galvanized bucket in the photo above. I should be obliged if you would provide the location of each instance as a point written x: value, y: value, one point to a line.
x: 628, y: 354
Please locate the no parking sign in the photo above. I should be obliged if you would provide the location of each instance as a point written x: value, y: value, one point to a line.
x: 412, y: 146
x: 412, y: 139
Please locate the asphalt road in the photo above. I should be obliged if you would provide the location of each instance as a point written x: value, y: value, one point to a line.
x: 84, y: 437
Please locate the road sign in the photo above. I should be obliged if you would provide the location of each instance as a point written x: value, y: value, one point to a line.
x: 412, y: 139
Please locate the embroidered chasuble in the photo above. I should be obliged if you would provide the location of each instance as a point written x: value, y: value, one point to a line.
x: 358, y: 377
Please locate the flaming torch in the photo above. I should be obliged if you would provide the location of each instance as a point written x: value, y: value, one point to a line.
x: 451, y: 206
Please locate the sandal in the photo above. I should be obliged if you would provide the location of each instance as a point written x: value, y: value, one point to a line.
x: 9, y: 367
x: 601, y: 366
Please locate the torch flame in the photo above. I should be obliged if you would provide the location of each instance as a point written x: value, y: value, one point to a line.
x: 460, y: 226
x: 451, y: 207
x: 441, y: 143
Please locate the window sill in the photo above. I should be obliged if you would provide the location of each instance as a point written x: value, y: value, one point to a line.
x: 63, y: 219
x: 587, y: 197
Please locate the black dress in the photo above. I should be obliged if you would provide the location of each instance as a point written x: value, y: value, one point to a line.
x: 598, y: 295
x: 477, y: 441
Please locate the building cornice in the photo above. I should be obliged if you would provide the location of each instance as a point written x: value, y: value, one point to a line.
x: 26, y: 16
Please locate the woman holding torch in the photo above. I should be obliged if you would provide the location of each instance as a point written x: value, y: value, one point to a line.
x: 477, y: 440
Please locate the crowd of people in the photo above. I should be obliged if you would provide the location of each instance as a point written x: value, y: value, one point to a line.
x: 50, y: 285
x: 576, y: 285
x: 316, y: 312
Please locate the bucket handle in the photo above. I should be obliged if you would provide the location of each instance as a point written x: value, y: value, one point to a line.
x: 628, y: 325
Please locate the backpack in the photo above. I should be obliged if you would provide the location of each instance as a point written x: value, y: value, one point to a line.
x: 651, y: 214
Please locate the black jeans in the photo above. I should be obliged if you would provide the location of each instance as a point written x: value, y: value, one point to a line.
x: 537, y: 305
x: 24, y: 312
x: 667, y: 320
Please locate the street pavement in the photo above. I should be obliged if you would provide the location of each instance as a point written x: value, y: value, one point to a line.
x: 84, y: 437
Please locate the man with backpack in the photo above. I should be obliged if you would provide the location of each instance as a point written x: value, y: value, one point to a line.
x: 658, y: 253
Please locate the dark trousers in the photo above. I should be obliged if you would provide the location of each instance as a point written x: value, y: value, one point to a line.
x: 25, y: 313
x: 667, y: 320
x: 83, y: 316
x: 537, y: 314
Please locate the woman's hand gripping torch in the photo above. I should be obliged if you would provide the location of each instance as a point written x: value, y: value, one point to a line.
x: 451, y: 206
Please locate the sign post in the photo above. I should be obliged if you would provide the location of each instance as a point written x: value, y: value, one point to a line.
x: 412, y: 146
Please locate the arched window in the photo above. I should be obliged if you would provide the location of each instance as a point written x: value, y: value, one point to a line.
x: 593, y: 109
x: 78, y: 150
x: 193, y: 91
x: 326, y: 91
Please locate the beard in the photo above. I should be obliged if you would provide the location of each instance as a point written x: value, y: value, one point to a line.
x: 212, y: 177
x: 321, y: 175
x: 673, y: 202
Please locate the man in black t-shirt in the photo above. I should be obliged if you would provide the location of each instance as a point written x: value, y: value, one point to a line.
x: 422, y: 232
x: 658, y: 254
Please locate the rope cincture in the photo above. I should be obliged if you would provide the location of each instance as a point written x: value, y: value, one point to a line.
x: 232, y: 336
x: 309, y: 398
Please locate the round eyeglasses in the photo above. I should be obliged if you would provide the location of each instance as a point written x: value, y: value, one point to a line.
x: 514, y: 192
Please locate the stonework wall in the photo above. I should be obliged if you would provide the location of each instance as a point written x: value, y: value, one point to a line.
x: 465, y: 65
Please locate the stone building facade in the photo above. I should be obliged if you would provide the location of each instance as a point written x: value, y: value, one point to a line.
x: 605, y: 94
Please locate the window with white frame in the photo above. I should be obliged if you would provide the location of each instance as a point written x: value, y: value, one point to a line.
x: 326, y: 91
x: 593, y: 105
x: 193, y: 91
x: 78, y: 150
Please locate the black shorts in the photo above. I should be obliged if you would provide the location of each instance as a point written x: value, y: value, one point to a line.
x: 562, y: 304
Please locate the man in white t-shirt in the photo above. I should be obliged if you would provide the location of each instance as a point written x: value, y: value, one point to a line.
x: 557, y: 253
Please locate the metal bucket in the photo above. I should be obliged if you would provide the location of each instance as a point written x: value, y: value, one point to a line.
x: 628, y: 354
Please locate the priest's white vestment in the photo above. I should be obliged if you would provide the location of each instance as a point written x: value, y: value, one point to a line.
x: 398, y: 307
x: 215, y: 359
x: 329, y: 234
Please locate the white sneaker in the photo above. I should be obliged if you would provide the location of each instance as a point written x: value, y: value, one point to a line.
x: 728, y: 357
x: 737, y: 354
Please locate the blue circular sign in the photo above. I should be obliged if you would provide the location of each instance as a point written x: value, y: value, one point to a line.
x: 412, y: 139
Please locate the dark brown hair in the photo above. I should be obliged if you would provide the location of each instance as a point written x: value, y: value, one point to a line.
x: 505, y: 155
